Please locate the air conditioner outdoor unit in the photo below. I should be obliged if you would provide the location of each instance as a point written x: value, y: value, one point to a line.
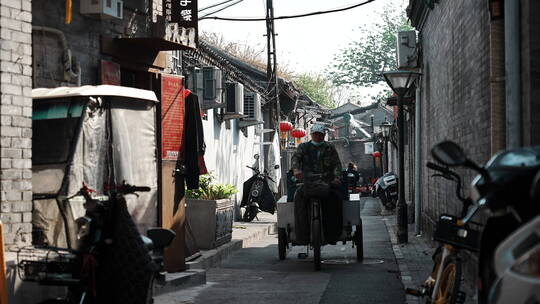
x: 103, y: 8
x: 235, y: 101
x: 212, y: 85
x: 194, y: 82
x: 407, y: 55
x: 252, y: 110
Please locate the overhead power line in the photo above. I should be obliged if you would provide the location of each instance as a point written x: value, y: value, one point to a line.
x: 220, y: 9
x: 292, y: 16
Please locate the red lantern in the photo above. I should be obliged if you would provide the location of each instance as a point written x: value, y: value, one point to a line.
x: 285, y: 126
x: 376, y: 154
x: 298, y: 133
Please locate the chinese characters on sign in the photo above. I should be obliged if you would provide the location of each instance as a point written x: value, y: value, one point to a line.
x: 172, y: 116
x: 183, y: 21
x: 110, y: 72
x: 183, y: 12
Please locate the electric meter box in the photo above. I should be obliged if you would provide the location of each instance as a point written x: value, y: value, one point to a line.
x: 407, y: 55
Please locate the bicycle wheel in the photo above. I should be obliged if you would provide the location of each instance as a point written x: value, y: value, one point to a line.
x: 448, y: 291
x: 282, y: 243
x: 316, y: 237
x: 150, y: 292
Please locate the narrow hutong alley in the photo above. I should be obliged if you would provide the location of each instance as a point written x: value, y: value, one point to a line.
x: 256, y: 275
x: 274, y: 151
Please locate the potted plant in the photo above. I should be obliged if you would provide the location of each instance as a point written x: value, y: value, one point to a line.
x: 210, y: 211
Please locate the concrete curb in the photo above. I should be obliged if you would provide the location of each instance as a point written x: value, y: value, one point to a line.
x: 178, y: 280
x: 244, y: 235
x: 213, y: 257
x: 405, y: 274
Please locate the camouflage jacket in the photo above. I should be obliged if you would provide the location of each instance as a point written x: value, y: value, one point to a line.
x: 317, y: 159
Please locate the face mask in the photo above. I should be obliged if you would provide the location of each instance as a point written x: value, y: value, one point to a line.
x: 317, y: 143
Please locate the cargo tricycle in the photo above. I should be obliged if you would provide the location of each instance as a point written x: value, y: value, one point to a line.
x: 352, y: 226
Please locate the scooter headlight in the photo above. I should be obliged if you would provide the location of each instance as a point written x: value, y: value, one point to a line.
x: 529, y: 263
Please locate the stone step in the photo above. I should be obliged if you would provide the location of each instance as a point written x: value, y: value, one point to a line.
x: 178, y: 280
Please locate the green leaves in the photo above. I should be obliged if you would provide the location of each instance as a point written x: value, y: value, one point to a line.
x: 317, y: 87
x: 211, y: 191
x: 363, y: 60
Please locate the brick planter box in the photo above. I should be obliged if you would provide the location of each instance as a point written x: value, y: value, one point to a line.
x: 211, y: 221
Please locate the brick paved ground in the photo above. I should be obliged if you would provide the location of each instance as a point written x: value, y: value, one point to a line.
x: 414, y: 259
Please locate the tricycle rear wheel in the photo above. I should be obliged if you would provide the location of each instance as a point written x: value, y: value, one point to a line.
x: 316, y: 242
x: 282, y: 243
x: 359, y: 242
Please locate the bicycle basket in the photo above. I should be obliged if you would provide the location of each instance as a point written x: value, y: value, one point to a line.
x: 48, y: 266
x: 449, y: 232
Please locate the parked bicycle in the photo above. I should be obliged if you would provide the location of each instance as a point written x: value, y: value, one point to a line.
x: 454, y: 234
x: 112, y: 262
x: 503, y: 189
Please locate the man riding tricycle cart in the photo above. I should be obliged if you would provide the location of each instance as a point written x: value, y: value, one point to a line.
x: 318, y: 215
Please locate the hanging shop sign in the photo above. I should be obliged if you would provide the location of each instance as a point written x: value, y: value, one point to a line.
x: 110, y: 72
x: 183, y: 21
x: 172, y: 116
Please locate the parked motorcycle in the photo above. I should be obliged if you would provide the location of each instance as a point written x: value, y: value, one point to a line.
x: 112, y: 262
x: 257, y: 195
x: 503, y: 188
x: 386, y: 188
x: 517, y: 265
x: 517, y: 261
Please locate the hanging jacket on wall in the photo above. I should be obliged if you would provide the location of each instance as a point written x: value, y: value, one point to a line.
x: 194, y: 146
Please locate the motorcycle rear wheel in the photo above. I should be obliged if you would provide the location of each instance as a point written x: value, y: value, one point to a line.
x: 249, y: 214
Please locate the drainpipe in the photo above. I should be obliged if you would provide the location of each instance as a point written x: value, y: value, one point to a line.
x: 72, y: 68
x: 497, y: 83
x: 512, y: 42
x: 418, y: 163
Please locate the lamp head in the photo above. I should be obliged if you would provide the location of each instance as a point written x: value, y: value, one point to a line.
x: 400, y: 81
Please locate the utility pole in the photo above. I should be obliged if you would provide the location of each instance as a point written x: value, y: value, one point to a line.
x: 271, y: 66
x: 272, y: 78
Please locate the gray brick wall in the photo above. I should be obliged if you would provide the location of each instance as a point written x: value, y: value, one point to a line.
x: 456, y: 98
x: 83, y: 38
x: 16, y: 120
x: 354, y: 152
x: 455, y: 90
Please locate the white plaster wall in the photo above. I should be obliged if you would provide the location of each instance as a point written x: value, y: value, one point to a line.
x: 228, y: 151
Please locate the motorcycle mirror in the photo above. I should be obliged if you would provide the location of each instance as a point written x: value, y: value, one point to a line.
x: 276, y: 167
x: 449, y: 153
x: 256, y: 156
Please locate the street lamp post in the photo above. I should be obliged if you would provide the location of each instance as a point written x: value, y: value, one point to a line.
x: 400, y: 82
x: 385, y: 129
x: 374, y: 145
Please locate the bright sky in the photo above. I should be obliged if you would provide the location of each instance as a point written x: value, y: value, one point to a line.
x: 304, y: 44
